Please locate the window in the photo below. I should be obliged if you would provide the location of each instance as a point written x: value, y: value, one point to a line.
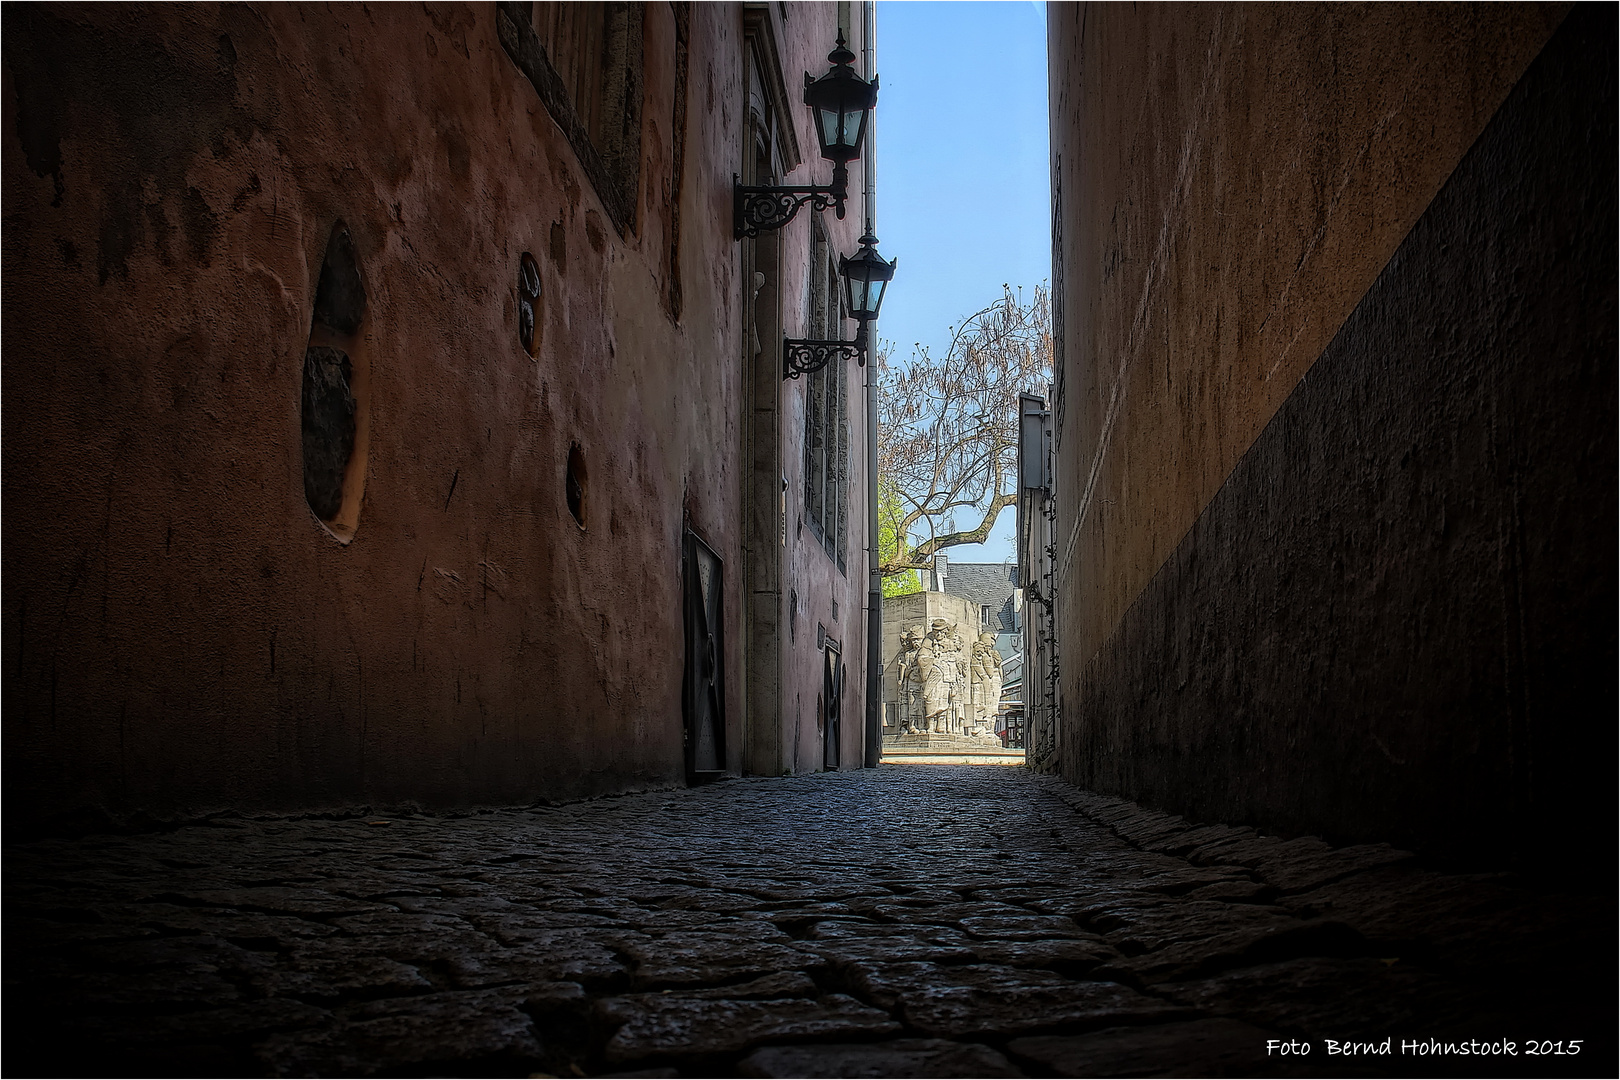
x: 335, y: 394
x: 984, y: 614
x: 574, y: 37
x: 585, y: 61
x: 826, y: 411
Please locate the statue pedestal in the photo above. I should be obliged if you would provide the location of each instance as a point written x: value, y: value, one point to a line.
x: 941, y: 744
x: 932, y: 749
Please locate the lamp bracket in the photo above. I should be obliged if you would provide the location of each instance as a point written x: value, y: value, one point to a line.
x: 802, y: 356
x: 757, y: 209
x: 760, y: 209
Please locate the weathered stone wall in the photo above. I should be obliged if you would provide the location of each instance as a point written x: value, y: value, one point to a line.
x: 1337, y: 472
x: 181, y: 632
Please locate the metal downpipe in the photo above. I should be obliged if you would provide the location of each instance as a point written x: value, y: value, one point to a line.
x: 874, y: 594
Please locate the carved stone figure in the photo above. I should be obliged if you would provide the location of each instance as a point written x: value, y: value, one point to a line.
x: 937, y: 664
x: 909, y: 681
x: 986, y: 682
x: 940, y: 681
x: 960, y: 675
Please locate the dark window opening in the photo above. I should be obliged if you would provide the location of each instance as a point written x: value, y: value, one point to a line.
x: 826, y: 413
x: 332, y: 399
x: 528, y: 304
x: 585, y: 62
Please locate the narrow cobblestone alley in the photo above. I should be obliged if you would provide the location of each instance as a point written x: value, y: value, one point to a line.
x: 991, y: 923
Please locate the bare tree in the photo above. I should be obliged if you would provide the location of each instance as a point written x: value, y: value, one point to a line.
x: 948, y: 428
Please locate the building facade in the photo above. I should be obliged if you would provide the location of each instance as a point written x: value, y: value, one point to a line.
x: 392, y: 415
x: 992, y: 589
x: 1037, y: 580
x: 1334, y: 417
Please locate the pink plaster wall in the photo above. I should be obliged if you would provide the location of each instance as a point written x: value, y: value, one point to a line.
x: 180, y: 633
x: 806, y: 33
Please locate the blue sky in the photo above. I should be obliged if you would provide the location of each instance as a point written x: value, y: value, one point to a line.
x: 962, y: 172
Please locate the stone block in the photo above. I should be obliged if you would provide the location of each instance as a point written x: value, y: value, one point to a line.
x: 1019, y: 925
x: 1070, y: 955
x: 476, y: 1031
x: 689, y: 958
x: 285, y: 900
x: 1297, y: 872
x: 352, y: 973
x: 783, y: 984
x: 1235, y: 891
x: 675, y: 1026
x: 889, y: 949
x: 389, y: 923
x: 984, y: 999
x: 1135, y: 929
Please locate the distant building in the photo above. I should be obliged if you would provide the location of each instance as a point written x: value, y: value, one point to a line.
x: 992, y: 588
x: 1037, y: 694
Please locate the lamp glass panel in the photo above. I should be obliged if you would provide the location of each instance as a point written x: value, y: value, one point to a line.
x: 857, y: 296
x: 875, y: 295
x: 828, y: 127
x: 852, y: 127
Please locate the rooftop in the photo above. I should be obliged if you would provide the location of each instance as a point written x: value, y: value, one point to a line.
x: 991, y: 584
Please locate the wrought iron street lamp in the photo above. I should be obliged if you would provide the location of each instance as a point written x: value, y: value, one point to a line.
x: 866, y: 277
x: 841, y: 103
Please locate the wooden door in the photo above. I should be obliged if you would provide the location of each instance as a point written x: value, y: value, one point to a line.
x: 703, y: 696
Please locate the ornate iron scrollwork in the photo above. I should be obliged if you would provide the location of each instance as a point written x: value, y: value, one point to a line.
x: 760, y: 209
x: 802, y: 357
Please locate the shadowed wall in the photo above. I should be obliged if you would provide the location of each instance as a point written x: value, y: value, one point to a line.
x: 1393, y: 617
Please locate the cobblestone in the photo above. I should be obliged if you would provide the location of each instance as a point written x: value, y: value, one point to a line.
x: 905, y: 921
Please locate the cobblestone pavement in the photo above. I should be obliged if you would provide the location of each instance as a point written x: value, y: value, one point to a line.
x: 904, y: 921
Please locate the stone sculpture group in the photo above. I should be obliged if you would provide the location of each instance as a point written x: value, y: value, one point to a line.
x: 947, y: 688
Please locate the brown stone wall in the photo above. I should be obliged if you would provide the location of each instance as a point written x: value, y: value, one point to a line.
x: 1233, y: 178
x: 181, y: 633
x: 1337, y: 472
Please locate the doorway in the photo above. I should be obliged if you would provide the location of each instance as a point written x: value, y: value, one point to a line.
x: 703, y: 697
x: 832, y: 691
